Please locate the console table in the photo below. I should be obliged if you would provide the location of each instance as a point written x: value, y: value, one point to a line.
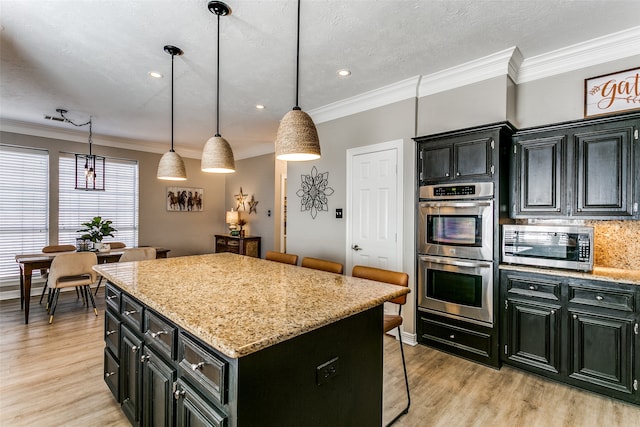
x: 247, y: 245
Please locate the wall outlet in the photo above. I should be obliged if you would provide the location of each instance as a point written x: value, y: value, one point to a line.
x: 338, y: 213
x: 326, y: 371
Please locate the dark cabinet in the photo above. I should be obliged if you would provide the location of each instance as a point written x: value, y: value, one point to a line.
x: 158, y: 378
x: 249, y: 245
x: 580, y: 332
x: 451, y: 157
x: 130, y: 375
x: 582, y: 169
x: 192, y: 410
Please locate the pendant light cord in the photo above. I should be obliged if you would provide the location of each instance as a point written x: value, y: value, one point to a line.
x: 298, y: 59
x: 90, y: 123
x: 218, y: 83
x: 172, y: 56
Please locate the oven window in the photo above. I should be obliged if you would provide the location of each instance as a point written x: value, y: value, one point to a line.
x: 457, y: 288
x: 457, y: 230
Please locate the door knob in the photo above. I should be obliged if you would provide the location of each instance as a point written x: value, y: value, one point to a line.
x: 356, y: 248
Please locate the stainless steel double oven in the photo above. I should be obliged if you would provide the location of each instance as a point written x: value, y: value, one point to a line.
x: 455, y: 251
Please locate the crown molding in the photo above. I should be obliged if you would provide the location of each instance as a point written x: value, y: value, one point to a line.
x: 611, y: 47
x: 494, y: 65
x: 24, y: 128
x: 399, y: 91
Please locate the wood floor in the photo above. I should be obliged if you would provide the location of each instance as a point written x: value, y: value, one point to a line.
x: 52, y: 375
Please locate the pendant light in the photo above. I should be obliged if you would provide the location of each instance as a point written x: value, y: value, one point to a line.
x: 297, y: 137
x: 89, y: 168
x: 171, y: 166
x: 217, y: 156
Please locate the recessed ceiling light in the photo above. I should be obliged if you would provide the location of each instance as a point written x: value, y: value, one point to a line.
x: 344, y: 73
x: 260, y: 107
x: 155, y: 74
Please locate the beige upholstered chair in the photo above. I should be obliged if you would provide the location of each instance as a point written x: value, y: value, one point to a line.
x: 116, y: 245
x: 322, y: 264
x: 49, y: 250
x: 391, y: 321
x: 281, y: 257
x: 133, y: 254
x: 72, y: 269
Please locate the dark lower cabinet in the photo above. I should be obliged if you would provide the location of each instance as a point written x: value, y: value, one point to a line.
x: 130, y: 375
x: 193, y: 410
x: 578, y: 331
x: 158, y: 378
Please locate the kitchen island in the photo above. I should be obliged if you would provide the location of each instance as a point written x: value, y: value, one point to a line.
x: 225, y: 339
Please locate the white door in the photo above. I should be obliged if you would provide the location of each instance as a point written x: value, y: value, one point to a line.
x: 375, y: 205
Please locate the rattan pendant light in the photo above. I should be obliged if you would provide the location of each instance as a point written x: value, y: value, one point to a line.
x: 217, y: 156
x: 297, y: 137
x: 171, y: 166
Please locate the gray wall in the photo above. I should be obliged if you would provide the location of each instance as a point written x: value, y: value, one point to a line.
x: 256, y: 177
x: 184, y: 233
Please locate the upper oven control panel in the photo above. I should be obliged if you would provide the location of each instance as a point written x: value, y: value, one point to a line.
x: 471, y: 190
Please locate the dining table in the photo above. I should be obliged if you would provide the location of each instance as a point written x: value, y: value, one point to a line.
x: 40, y: 261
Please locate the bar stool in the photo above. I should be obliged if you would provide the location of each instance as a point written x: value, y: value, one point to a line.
x: 391, y: 321
x: 322, y: 264
x: 281, y: 257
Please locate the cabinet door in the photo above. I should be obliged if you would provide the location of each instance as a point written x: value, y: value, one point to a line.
x: 601, y: 351
x: 192, y: 410
x: 538, y: 177
x: 435, y: 163
x: 534, y: 334
x: 472, y: 159
x: 604, y: 173
x: 157, y: 390
x: 130, y: 374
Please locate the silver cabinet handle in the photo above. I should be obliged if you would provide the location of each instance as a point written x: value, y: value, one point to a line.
x: 453, y: 337
x: 109, y: 374
x: 533, y: 288
x: 446, y: 174
x: 553, y: 312
x: 129, y: 312
x: 110, y: 333
x: 144, y: 358
x: 110, y: 297
x: 575, y: 316
x: 457, y: 173
x: 134, y: 349
x: 156, y: 334
x: 178, y: 394
x: 599, y: 297
x: 197, y: 366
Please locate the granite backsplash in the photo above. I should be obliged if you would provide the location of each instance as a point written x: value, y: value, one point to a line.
x: 617, y: 244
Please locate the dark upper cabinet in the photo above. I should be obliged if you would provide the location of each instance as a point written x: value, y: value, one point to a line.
x: 466, y: 155
x: 582, y: 169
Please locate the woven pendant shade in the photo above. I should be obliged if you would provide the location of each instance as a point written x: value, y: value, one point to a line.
x: 171, y: 167
x: 297, y: 137
x: 217, y: 156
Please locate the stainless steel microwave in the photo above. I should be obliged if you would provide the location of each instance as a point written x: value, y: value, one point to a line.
x: 568, y: 247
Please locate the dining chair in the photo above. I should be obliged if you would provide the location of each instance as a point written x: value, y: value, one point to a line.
x: 281, y: 257
x: 391, y: 321
x: 44, y: 273
x: 116, y: 245
x: 133, y: 254
x: 71, y: 269
x: 322, y: 264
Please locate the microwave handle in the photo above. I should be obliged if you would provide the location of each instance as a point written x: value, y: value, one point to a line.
x: 455, y: 204
x: 457, y: 263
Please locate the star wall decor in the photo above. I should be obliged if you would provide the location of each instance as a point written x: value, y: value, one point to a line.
x: 315, y: 192
x: 253, y: 203
x: 240, y: 200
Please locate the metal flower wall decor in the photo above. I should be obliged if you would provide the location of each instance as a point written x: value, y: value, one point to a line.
x: 315, y: 192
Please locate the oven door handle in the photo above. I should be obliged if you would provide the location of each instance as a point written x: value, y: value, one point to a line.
x: 475, y: 204
x: 470, y: 264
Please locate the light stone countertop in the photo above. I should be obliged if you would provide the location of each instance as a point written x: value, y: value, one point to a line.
x: 599, y: 273
x: 239, y: 304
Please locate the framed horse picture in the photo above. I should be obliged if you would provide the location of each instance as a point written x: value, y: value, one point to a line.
x: 185, y: 199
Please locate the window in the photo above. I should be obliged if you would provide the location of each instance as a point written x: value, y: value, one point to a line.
x: 24, y: 213
x: 118, y: 203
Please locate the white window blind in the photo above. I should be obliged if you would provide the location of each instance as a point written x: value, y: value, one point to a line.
x: 118, y: 203
x: 24, y: 202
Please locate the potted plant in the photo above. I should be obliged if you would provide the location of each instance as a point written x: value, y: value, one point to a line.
x: 97, y: 229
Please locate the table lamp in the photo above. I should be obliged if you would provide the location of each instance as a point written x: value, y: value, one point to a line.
x: 232, y: 219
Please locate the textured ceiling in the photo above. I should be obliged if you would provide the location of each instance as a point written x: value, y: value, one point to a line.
x: 92, y: 57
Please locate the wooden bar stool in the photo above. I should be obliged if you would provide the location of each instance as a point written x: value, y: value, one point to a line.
x: 322, y: 264
x: 281, y: 257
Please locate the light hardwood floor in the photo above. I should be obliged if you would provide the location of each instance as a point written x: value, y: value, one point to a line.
x: 52, y: 375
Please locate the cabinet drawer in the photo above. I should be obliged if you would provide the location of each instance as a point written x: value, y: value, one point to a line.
x: 112, y: 297
x: 203, y: 368
x: 538, y: 288
x: 112, y: 373
x: 112, y: 331
x: 192, y: 410
x: 617, y: 300
x: 160, y: 334
x: 132, y: 312
x: 465, y: 339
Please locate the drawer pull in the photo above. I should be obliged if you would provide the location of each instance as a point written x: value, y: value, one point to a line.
x: 599, y: 297
x: 196, y: 366
x: 453, y: 337
x: 129, y: 312
x: 110, y: 297
x: 156, y: 334
x: 134, y: 349
x: 553, y: 312
x: 110, y: 333
x: 533, y: 288
x: 178, y: 394
x: 108, y: 374
x: 575, y: 316
x: 144, y: 358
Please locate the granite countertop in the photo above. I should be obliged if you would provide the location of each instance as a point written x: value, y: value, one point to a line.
x: 240, y: 304
x: 599, y: 273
